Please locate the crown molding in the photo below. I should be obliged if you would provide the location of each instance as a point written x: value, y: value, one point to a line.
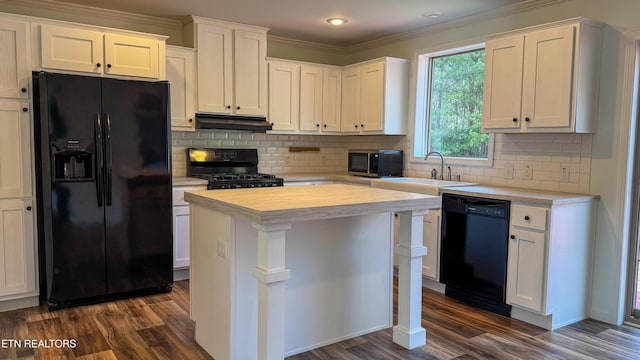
x: 94, y: 12
x: 451, y: 24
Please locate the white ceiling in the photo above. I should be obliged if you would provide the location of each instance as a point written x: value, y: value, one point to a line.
x: 305, y: 19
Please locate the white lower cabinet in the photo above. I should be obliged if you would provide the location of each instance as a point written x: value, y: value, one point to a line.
x: 17, y: 249
x: 431, y: 239
x: 549, y: 262
x: 181, y: 226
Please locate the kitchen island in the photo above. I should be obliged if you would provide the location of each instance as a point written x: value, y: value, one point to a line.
x: 279, y: 271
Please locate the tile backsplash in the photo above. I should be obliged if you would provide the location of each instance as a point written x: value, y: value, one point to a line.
x: 545, y: 155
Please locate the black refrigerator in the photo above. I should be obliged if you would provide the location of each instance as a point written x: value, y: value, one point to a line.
x: 103, y: 188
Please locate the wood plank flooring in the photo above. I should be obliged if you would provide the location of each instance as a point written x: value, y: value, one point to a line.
x: 158, y: 327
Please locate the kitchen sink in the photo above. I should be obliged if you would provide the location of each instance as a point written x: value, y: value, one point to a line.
x: 415, y: 185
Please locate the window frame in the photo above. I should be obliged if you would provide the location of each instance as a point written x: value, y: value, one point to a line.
x: 422, y: 99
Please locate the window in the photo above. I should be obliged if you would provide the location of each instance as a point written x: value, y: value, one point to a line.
x: 449, y: 105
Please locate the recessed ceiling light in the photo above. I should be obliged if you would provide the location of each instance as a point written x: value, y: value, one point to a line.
x: 337, y: 21
x: 432, y: 14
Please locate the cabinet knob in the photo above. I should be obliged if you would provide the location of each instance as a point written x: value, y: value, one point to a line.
x: 325, y: 125
x: 24, y: 109
x: 361, y: 125
x: 109, y: 66
x: 515, y: 119
x: 190, y: 120
x: 272, y: 124
x: 527, y: 218
x: 512, y: 237
x: 237, y: 107
x: 24, y: 90
x: 317, y: 125
x: 527, y: 119
x: 28, y: 208
x: 98, y: 65
x: 228, y: 106
x: 356, y: 126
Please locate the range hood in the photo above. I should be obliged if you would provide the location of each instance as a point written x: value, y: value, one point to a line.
x: 232, y: 122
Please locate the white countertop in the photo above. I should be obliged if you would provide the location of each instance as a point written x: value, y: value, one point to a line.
x: 289, y: 204
x: 523, y: 195
x: 187, y: 181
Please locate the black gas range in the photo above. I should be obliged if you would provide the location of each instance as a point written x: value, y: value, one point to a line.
x: 228, y: 168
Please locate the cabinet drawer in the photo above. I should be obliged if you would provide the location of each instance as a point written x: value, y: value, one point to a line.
x: 178, y: 193
x: 530, y: 217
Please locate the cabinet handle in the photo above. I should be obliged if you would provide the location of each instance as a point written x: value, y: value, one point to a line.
x: 24, y: 90
x: 98, y: 65
x: 515, y: 120
x: 512, y: 237
x: 24, y: 109
x: 28, y: 208
x: 527, y: 119
x: 527, y: 218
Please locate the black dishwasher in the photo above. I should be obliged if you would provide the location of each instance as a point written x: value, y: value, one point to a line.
x: 473, y: 251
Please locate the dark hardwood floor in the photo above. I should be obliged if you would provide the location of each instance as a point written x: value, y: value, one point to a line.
x: 158, y: 327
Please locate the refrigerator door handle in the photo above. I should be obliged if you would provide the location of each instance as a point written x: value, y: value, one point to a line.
x: 99, y: 158
x: 109, y: 182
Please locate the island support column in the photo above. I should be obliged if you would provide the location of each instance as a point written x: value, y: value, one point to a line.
x: 271, y: 275
x: 408, y: 332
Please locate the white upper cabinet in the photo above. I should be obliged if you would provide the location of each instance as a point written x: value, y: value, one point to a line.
x: 102, y: 53
x: 304, y: 97
x: 543, y: 80
x: 15, y: 149
x: 181, y: 77
x: 231, y: 66
x: 284, y: 96
x: 374, y: 97
x: 15, y: 73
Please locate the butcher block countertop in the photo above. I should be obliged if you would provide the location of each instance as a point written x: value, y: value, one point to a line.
x: 299, y: 203
x: 522, y: 195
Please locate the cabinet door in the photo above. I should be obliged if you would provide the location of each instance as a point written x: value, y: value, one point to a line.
x: 284, y: 92
x: 15, y: 149
x: 331, y: 100
x: 503, y: 83
x: 181, y: 236
x: 15, y: 72
x: 431, y: 239
x: 526, y: 268
x: 351, y: 100
x: 214, y: 69
x: 71, y: 49
x: 372, y: 101
x: 181, y: 76
x: 17, y: 247
x: 548, y: 76
x: 131, y: 56
x: 250, y: 72
x: 311, y: 98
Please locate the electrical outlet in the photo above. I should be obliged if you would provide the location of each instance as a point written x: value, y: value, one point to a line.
x: 508, y: 170
x: 528, y: 171
x: 564, y: 173
x: 222, y: 249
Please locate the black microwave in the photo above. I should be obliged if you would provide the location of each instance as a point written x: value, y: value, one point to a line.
x: 375, y: 163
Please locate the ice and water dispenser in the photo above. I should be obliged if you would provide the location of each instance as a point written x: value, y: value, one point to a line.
x: 72, y: 159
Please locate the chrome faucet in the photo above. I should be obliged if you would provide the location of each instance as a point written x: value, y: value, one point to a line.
x: 441, y: 162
